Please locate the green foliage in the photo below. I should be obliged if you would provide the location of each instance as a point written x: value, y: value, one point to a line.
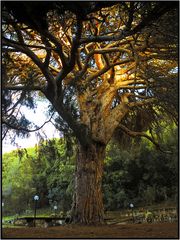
x: 144, y: 175
x: 45, y: 170
x: 17, y: 181
x: 140, y: 174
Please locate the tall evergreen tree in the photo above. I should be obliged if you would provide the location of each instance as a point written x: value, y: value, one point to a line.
x: 102, y: 66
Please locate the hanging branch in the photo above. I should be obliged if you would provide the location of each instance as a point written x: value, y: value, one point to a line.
x: 25, y: 129
x: 142, y: 134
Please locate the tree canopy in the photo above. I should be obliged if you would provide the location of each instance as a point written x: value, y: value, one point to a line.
x: 113, y: 55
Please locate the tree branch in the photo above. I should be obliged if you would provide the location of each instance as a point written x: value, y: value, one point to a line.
x: 25, y: 129
x: 32, y: 56
x: 157, y: 12
x: 114, y: 118
x: 22, y: 88
x: 23, y: 94
x: 80, y: 130
x: 58, y: 48
x: 73, y: 55
x: 141, y: 134
x: 120, y: 35
x: 141, y: 103
x: 106, y: 68
x: 31, y: 46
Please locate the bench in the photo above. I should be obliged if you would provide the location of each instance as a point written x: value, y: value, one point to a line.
x: 48, y: 221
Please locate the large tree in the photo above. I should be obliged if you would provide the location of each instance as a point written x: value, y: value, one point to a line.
x: 103, y: 66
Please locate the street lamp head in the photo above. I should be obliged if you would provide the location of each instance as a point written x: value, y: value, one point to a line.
x: 131, y: 205
x: 36, y: 197
x: 55, y: 207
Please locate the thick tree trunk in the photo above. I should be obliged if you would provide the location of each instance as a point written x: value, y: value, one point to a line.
x: 88, y: 201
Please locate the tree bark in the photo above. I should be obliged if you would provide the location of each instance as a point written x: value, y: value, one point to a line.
x: 88, y: 201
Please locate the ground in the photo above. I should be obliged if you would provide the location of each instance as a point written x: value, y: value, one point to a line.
x: 145, y: 230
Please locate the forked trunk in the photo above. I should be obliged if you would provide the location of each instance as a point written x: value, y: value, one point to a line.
x: 88, y: 200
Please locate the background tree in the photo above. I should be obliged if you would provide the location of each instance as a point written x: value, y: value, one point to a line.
x: 143, y: 176
x: 107, y: 68
x: 45, y: 170
x: 17, y: 183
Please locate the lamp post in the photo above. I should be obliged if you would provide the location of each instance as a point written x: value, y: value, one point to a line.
x: 131, y: 205
x: 36, y: 198
x: 2, y: 211
x: 55, y: 208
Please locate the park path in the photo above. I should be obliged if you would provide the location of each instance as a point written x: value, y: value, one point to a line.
x: 155, y: 230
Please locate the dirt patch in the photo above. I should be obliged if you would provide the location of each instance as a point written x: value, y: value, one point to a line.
x: 160, y: 230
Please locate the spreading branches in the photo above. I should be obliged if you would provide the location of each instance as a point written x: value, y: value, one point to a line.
x: 31, y: 55
x: 114, y: 60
